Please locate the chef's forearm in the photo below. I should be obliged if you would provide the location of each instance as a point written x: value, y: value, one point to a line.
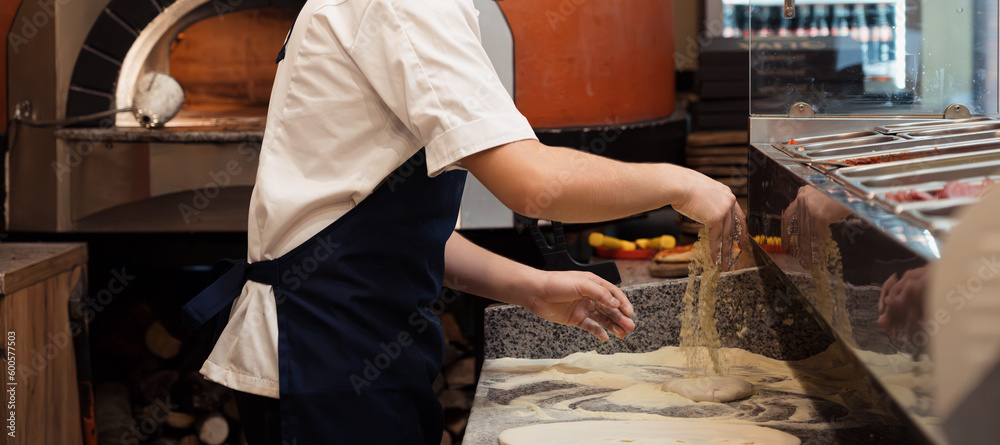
x: 472, y: 269
x: 568, y: 185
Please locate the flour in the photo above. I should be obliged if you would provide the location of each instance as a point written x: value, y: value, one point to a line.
x: 698, y: 328
x: 626, y: 386
x: 647, y: 395
x: 711, y: 389
x: 690, y: 432
x: 827, y: 272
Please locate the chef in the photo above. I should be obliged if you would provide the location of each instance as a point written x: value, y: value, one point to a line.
x: 379, y: 109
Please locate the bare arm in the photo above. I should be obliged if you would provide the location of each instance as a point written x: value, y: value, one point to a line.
x: 572, y: 298
x: 568, y: 185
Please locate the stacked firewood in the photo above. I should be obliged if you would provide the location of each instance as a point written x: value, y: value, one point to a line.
x: 159, y: 397
x: 208, y: 416
x: 721, y: 155
x: 456, y: 385
x: 150, y: 392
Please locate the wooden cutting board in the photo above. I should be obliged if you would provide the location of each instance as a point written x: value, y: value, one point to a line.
x: 668, y: 270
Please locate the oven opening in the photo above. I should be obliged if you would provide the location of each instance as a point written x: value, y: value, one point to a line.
x: 226, y: 66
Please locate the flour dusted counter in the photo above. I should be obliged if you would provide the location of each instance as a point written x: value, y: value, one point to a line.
x: 537, y: 372
x: 37, y: 283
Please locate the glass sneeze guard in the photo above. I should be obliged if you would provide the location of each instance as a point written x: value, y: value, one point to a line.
x: 868, y: 57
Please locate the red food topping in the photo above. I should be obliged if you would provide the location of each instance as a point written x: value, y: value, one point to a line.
x: 909, y: 196
x: 953, y: 189
x: 964, y: 189
x: 878, y: 159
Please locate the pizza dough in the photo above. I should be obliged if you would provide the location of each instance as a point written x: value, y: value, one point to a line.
x: 711, y: 389
x: 649, y: 432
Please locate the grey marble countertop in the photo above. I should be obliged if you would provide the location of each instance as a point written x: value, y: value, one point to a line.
x: 749, y: 317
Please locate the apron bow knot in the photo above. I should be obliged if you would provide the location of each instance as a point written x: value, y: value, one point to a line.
x: 228, y: 287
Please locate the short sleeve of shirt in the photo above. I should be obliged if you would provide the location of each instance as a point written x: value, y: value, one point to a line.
x: 425, y: 60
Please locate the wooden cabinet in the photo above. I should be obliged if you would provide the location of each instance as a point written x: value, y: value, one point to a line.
x: 39, y: 374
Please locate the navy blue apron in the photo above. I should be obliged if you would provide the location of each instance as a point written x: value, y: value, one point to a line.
x: 358, y: 347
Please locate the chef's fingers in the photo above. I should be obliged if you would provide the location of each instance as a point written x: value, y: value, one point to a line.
x: 739, y: 237
x: 617, y: 318
x: 889, y: 320
x: 715, y: 234
x: 594, y: 328
x: 789, y: 221
x: 898, y: 318
x: 718, y: 238
x: 884, y: 322
x: 608, y: 324
x: 725, y: 243
x: 742, y: 232
x: 805, y: 240
x: 883, y: 298
x: 624, y: 305
x: 593, y: 290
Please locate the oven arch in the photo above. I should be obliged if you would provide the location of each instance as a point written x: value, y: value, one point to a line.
x: 133, y: 37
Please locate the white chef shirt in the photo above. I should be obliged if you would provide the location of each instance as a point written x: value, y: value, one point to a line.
x: 364, y: 85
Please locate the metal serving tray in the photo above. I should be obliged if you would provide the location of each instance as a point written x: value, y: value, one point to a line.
x: 938, y: 216
x: 804, y: 149
x: 929, y: 125
x: 829, y: 138
x: 929, y: 187
x: 939, y: 146
x: 952, y: 131
x: 872, y: 180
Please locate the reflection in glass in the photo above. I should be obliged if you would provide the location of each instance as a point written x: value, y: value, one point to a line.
x: 870, y: 57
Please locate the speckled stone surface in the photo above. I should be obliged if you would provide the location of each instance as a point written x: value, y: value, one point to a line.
x: 749, y: 298
x: 756, y: 312
x: 861, y: 303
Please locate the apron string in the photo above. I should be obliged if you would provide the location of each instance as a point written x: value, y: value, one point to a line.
x: 281, y: 54
x: 227, y: 288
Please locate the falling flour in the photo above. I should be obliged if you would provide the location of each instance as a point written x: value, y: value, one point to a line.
x: 700, y: 336
x: 690, y: 432
x: 698, y: 331
x: 830, y: 297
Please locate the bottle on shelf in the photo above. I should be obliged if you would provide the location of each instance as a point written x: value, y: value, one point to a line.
x: 785, y: 26
x: 841, y: 26
x: 762, y: 23
x: 859, y: 24
x: 882, y: 33
x: 821, y: 23
x: 803, y: 20
x: 745, y: 21
x: 891, y: 41
x: 730, y: 27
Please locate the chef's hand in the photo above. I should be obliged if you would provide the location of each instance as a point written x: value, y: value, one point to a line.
x: 901, y: 302
x: 584, y: 300
x: 806, y: 221
x: 714, y: 205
